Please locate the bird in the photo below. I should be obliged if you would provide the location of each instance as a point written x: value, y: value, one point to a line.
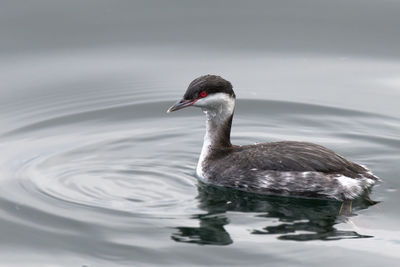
x: 284, y: 168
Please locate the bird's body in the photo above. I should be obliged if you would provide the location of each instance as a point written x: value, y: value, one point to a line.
x: 286, y: 168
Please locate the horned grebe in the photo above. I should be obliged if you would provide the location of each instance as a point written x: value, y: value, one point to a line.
x: 285, y: 168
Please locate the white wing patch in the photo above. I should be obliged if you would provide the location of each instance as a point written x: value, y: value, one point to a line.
x: 332, y: 186
x: 351, y: 188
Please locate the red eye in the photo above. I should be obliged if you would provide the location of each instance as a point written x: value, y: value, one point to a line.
x: 203, y: 94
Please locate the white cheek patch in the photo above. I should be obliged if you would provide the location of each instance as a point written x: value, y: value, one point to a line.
x: 219, y: 105
x: 215, y: 100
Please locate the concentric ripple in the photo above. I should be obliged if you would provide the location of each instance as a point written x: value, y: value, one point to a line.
x: 93, y: 175
x: 125, y: 167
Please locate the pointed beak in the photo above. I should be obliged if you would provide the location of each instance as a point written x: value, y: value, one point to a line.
x: 181, y: 104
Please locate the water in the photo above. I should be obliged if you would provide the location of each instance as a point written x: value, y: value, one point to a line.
x: 93, y: 172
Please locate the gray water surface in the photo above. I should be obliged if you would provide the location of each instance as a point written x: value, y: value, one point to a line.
x: 93, y: 172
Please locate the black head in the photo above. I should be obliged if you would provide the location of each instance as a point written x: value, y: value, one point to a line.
x: 202, y: 88
x: 210, y: 84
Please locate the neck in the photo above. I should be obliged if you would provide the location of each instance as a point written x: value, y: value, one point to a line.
x: 218, y: 129
x: 219, y: 121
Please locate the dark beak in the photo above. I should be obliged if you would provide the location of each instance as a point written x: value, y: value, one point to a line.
x: 181, y: 104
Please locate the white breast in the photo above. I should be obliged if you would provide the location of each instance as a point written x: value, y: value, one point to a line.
x: 205, y: 151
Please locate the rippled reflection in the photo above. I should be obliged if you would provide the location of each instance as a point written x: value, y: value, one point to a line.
x: 298, y: 219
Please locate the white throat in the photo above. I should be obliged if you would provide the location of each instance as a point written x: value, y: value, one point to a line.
x: 218, y: 108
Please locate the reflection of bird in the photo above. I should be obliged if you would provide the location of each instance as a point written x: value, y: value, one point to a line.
x: 285, y: 218
x: 283, y: 168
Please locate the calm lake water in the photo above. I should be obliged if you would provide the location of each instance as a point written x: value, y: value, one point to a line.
x: 93, y: 172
